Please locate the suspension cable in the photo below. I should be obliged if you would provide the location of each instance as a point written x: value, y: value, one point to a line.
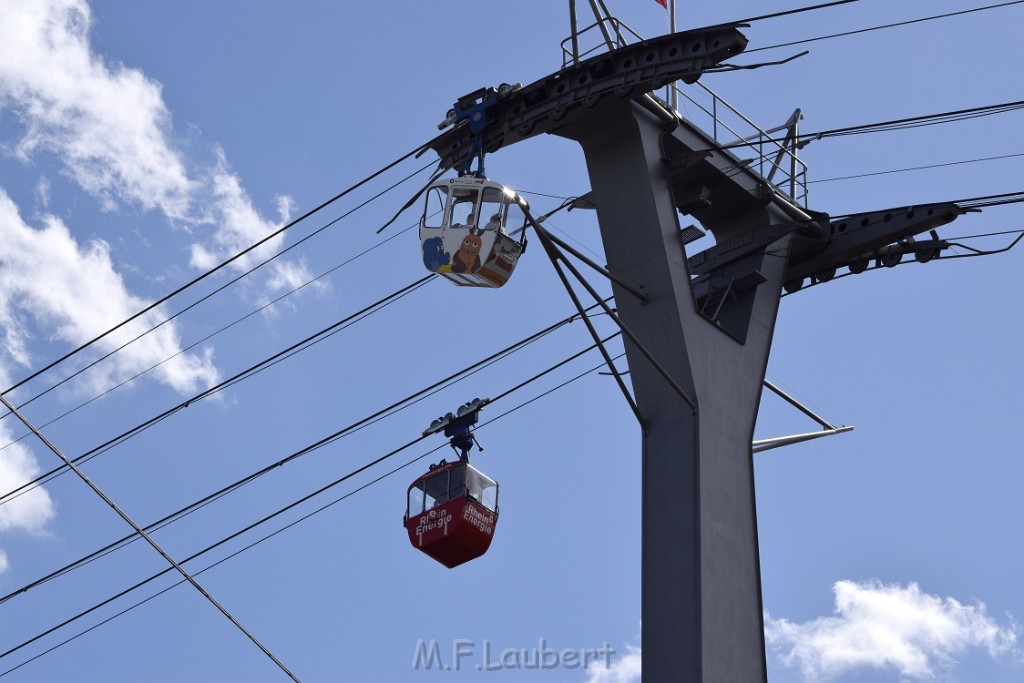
x: 352, y: 428
x: 917, y: 168
x: 798, y: 10
x: 196, y: 343
x: 234, y: 379
x: 884, y: 26
x: 138, y: 530
x: 307, y: 497
x: 418, y: 150
x: 220, y: 289
x: 304, y: 518
x: 882, y: 126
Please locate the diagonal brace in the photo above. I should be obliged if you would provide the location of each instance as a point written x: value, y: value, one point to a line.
x: 641, y: 297
x: 556, y: 255
x: 550, y: 250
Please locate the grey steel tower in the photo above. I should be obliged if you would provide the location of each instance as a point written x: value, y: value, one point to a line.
x: 699, y: 336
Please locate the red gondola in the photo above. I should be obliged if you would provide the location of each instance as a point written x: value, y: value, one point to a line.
x: 452, y: 512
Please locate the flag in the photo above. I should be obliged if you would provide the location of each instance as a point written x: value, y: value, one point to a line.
x: 663, y: 3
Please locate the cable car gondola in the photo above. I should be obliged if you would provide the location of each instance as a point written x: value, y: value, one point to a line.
x: 452, y: 510
x: 467, y: 230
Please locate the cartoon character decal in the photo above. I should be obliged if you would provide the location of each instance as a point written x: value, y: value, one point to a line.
x: 434, y: 255
x: 467, y: 258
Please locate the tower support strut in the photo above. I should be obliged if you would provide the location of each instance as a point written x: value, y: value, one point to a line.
x: 701, y: 595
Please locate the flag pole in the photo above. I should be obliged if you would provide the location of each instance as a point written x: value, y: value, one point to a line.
x: 673, y: 98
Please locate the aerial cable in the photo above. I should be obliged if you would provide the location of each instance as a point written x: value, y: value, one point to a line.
x: 917, y: 168
x: 992, y: 200
x: 223, y: 264
x: 412, y: 200
x: 895, y: 124
x: 983, y: 201
x: 629, y: 287
x: 552, y: 226
x: 234, y: 379
x: 306, y: 516
x: 893, y: 25
x: 969, y: 203
x: 380, y: 414
x: 725, y: 67
x: 138, y: 530
x: 211, y: 547
x: 508, y: 412
x: 920, y: 121
x: 987, y: 234
x: 982, y: 252
x: 915, y: 121
x: 555, y: 256
x: 785, y: 13
x: 546, y: 243
x: 507, y: 392
x: 310, y: 496
x: 542, y: 194
x: 206, y: 338
x: 173, y: 517
x: 219, y: 562
x: 569, y: 202
x: 216, y: 291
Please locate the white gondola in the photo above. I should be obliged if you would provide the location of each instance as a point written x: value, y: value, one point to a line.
x: 467, y: 231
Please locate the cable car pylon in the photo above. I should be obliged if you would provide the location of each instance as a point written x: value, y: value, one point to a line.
x: 697, y: 342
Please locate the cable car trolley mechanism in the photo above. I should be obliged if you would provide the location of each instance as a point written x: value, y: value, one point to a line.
x: 452, y: 510
x: 469, y: 223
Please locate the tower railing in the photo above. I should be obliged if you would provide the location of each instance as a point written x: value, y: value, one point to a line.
x: 776, y: 160
x: 776, y: 157
x: 613, y: 35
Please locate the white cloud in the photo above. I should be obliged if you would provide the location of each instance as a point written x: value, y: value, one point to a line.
x: 71, y: 292
x: 108, y: 124
x: 240, y: 225
x: 33, y: 509
x: 111, y: 130
x: 888, y: 627
x: 43, y: 191
x: 623, y: 669
x: 81, y: 297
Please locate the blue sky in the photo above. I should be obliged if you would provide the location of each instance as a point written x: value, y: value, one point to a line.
x: 141, y: 143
